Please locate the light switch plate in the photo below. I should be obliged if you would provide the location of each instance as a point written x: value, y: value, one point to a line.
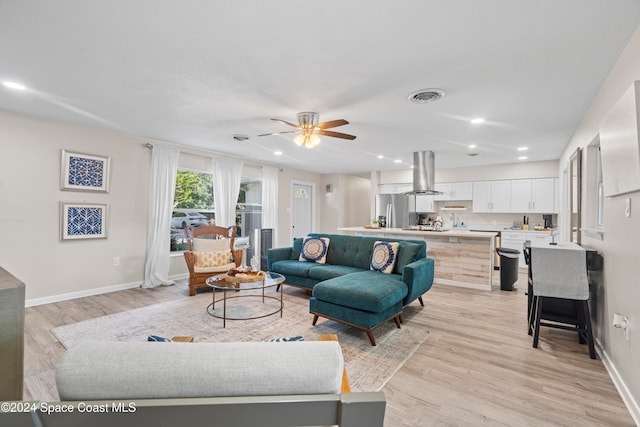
x: 627, y: 207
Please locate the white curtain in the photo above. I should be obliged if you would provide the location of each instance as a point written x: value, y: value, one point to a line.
x: 227, y: 174
x: 162, y: 186
x: 270, y: 201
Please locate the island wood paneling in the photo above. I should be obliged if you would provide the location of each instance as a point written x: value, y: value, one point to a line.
x: 461, y: 262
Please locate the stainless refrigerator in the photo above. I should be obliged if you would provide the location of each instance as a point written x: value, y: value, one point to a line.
x: 398, y: 210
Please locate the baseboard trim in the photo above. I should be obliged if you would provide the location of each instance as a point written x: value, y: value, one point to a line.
x: 90, y: 292
x: 623, y: 390
x: 79, y: 294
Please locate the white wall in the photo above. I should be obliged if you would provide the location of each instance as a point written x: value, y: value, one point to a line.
x: 620, y: 288
x: 30, y: 215
x: 346, y: 205
x: 286, y: 178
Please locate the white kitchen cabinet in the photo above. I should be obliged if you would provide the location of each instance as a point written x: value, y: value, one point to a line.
x: 532, y: 195
x: 539, y: 236
x: 491, y: 196
x: 394, y: 188
x: 515, y: 240
x: 520, y: 196
x: 454, y: 191
x: 424, y: 203
x: 543, y: 195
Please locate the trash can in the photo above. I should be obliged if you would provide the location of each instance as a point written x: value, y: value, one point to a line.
x: 508, y: 267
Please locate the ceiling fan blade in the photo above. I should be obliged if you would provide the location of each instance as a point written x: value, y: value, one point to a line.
x: 335, y: 134
x: 278, y: 133
x: 332, y: 124
x: 285, y: 122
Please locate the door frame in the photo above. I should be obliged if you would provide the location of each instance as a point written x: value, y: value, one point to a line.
x: 313, y: 205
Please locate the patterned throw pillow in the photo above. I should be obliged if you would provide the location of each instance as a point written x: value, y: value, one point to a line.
x: 384, y: 256
x: 314, y: 249
x: 155, y: 338
x: 287, y: 339
x: 213, y: 259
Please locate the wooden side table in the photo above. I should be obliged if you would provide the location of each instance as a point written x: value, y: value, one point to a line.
x: 182, y: 339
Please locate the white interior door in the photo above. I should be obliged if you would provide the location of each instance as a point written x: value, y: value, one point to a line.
x: 302, y: 210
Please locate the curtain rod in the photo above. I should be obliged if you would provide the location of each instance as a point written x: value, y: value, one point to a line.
x: 205, y: 152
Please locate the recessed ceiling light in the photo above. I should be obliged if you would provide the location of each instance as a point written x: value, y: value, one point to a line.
x: 477, y: 121
x: 523, y: 148
x: 472, y: 146
x: 522, y: 158
x: 278, y: 153
x: 381, y: 156
x: 14, y: 85
x: 397, y: 161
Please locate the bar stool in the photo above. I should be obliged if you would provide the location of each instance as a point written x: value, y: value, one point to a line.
x: 559, y: 275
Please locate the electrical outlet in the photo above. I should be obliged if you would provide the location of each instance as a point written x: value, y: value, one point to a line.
x: 116, y: 260
x: 627, y: 207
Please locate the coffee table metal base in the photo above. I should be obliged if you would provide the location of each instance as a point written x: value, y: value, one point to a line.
x: 211, y: 307
x: 264, y: 281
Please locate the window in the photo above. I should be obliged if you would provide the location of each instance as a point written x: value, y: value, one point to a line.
x: 194, y: 206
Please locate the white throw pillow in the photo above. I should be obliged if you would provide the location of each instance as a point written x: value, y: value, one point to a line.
x: 210, y: 245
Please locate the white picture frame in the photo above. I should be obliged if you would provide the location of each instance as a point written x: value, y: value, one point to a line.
x: 79, y: 221
x: 84, y: 172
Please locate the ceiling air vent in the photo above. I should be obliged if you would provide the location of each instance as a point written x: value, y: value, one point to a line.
x: 424, y: 96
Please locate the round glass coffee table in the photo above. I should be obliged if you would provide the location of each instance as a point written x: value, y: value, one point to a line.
x: 259, y: 284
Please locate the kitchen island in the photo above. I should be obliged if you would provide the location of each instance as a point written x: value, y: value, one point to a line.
x: 462, y: 257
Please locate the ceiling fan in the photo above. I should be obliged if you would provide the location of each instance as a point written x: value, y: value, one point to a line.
x: 309, y: 128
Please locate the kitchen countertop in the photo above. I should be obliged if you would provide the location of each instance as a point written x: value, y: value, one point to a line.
x: 460, y: 233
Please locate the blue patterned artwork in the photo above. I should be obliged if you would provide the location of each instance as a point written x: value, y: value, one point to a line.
x: 83, y: 221
x: 84, y: 172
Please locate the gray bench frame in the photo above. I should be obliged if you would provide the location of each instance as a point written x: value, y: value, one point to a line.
x: 358, y: 409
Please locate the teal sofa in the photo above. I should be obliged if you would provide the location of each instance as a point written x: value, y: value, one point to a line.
x: 346, y: 290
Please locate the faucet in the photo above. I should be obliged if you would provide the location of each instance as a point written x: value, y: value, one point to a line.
x: 454, y: 220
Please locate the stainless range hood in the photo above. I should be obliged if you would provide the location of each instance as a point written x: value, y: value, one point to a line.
x: 424, y: 172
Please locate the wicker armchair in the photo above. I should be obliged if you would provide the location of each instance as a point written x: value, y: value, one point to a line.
x: 198, y: 276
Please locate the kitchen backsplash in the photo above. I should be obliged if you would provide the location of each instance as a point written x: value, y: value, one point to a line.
x: 470, y: 218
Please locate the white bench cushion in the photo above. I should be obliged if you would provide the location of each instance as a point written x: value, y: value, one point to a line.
x: 149, y: 370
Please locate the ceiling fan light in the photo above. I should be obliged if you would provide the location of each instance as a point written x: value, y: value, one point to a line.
x: 307, y: 140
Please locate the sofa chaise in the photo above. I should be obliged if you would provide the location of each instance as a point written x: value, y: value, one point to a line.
x: 344, y: 288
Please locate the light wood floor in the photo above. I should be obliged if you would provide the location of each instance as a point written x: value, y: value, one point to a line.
x: 477, y: 366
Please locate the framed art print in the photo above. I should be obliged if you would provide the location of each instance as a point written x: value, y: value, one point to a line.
x: 83, y: 221
x: 84, y: 172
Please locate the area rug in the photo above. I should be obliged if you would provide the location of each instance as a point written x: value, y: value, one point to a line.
x: 368, y: 367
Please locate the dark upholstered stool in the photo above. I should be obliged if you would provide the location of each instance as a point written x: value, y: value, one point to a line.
x: 559, y: 291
